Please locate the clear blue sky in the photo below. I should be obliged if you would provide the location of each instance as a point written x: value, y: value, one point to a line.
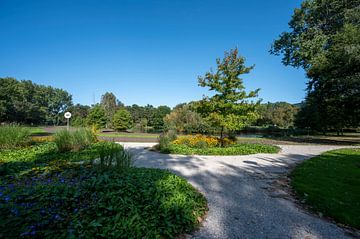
x: 144, y: 51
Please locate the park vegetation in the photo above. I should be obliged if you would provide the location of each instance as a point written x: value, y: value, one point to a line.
x: 324, y: 41
x: 75, y: 187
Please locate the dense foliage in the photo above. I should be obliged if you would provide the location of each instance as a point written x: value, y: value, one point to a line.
x: 184, y: 119
x: 110, y: 105
x: 330, y: 184
x: 279, y: 114
x: 148, y: 118
x: 122, y: 120
x: 324, y: 41
x: 97, y: 117
x: 45, y: 194
x: 229, y: 109
x: 29, y: 103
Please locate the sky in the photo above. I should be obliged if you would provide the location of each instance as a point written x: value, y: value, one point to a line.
x: 144, y: 51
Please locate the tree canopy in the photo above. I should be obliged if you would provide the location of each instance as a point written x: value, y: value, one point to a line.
x: 324, y: 40
x: 229, y: 108
x: 122, y: 120
x: 30, y: 103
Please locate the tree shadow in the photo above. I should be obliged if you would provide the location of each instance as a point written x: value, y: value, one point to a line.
x: 239, y: 194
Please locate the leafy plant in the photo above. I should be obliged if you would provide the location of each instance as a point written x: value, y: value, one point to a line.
x: 236, y: 149
x: 12, y: 136
x: 59, y: 199
x: 165, y: 140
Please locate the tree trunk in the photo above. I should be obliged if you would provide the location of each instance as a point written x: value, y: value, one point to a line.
x: 221, y: 136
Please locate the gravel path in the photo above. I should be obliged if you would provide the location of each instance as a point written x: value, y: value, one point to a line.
x: 244, y: 193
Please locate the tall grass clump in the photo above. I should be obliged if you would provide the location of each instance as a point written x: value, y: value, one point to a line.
x: 12, y: 136
x: 112, y: 155
x: 74, y: 141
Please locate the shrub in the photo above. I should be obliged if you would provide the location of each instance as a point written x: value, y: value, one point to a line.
x: 12, y: 136
x: 79, y: 201
x: 165, y: 140
x: 74, y: 141
x: 202, y: 141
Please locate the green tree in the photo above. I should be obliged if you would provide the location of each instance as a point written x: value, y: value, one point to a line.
x: 324, y: 41
x: 29, y: 103
x: 229, y: 108
x: 109, y: 103
x: 185, y: 120
x: 97, y: 117
x: 79, y: 114
x: 122, y: 120
x: 281, y: 114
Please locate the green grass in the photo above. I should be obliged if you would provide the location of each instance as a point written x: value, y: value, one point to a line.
x: 12, y: 136
x: 238, y: 149
x: 44, y: 193
x: 36, y: 130
x: 330, y: 184
x: 128, y: 135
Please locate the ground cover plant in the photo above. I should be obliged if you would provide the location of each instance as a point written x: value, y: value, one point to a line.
x: 93, y: 192
x: 210, y: 145
x: 330, y: 184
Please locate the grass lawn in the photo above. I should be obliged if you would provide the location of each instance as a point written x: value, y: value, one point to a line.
x: 44, y: 193
x: 237, y: 149
x: 330, y: 184
x: 36, y: 130
x: 128, y: 135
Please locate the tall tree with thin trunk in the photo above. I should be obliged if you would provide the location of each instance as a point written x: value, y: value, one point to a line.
x: 229, y: 108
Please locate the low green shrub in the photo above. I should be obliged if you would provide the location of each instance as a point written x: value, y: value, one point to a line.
x: 74, y: 141
x: 79, y: 201
x: 165, y: 140
x: 13, y: 136
x: 236, y: 149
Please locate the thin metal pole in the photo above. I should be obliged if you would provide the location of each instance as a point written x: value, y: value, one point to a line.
x: 68, y: 124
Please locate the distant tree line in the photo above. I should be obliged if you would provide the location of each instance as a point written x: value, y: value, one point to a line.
x: 30, y: 103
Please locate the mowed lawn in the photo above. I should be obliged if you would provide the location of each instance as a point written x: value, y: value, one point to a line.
x: 129, y: 135
x: 330, y: 184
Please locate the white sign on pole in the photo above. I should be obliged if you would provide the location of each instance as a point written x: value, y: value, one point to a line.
x: 67, y: 115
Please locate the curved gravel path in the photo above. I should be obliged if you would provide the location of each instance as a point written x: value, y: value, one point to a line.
x: 245, y: 193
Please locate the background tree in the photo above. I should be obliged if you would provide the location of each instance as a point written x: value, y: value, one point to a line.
x: 97, y: 117
x: 324, y: 41
x: 281, y: 114
x: 79, y: 114
x: 109, y: 103
x: 29, y: 103
x: 185, y: 120
x: 229, y: 108
x: 122, y: 120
